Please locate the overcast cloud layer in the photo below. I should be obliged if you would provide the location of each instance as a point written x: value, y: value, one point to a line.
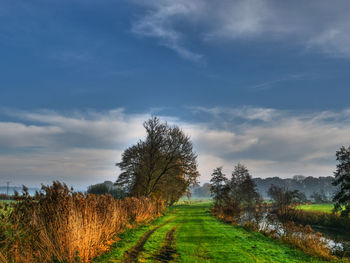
x: 81, y: 148
x: 315, y: 25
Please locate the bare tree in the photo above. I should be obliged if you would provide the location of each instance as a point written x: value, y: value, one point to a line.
x: 162, y: 165
x: 283, y: 198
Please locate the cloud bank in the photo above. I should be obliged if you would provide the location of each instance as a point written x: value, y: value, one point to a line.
x: 316, y: 25
x: 81, y: 148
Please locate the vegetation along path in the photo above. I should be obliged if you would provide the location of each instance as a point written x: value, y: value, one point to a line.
x: 189, y: 233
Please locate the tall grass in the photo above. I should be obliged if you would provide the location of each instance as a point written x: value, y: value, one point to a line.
x: 304, y: 238
x: 61, y: 225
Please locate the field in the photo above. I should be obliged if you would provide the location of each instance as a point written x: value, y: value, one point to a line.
x: 325, y: 208
x: 189, y: 233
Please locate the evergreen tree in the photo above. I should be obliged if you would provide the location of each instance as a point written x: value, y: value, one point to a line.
x: 217, y: 183
x: 342, y: 180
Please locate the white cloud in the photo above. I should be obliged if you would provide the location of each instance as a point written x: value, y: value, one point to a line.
x: 248, y: 113
x: 90, y: 129
x: 21, y: 135
x: 317, y: 25
x: 78, y: 148
x: 81, y: 148
x: 78, y: 167
x: 218, y: 141
x: 158, y: 23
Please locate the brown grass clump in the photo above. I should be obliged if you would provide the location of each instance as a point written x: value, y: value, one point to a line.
x: 63, y: 225
x: 306, y: 239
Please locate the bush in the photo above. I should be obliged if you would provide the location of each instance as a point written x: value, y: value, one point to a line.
x: 62, y: 225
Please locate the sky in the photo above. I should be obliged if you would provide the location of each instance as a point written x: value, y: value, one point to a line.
x: 261, y: 82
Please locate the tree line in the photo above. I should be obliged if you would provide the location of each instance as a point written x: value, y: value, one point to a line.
x: 314, y: 189
x: 164, y: 165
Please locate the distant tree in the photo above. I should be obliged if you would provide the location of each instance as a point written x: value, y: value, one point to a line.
x: 163, y: 165
x: 299, y: 177
x: 242, y: 190
x: 217, y: 183
x: 107, y: 188
x: 202, y: 191
x: 241, y: 184
x: 342, y: 181
x: 319, y: 197
x: 302, y: 197
x: 307, y: 185
x: 98, y: 189
x: 118, y: 193
x: 237, y: 196
x: 283, y: 198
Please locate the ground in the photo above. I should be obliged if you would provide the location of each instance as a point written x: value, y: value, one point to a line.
x: 189, y: 233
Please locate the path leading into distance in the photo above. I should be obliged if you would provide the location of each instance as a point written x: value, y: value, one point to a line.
x: 189, y: 233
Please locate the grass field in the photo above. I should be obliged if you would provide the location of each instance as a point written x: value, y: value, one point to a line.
x: 189, y: 233
x: 325, y: 208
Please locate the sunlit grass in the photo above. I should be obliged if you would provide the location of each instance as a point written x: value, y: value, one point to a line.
x: 325, y: 208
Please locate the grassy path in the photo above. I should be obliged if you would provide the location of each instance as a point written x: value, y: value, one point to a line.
x: 189, y: 233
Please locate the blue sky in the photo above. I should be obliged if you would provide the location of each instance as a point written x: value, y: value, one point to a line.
x: 237, y: 74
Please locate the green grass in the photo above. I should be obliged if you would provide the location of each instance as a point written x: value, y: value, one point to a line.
x: 200, y: 237
x: 325, y: 208
x: 4, y: 203
x: 130, y: 237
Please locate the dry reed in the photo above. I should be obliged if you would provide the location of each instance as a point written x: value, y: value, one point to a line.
x: 61, y: 225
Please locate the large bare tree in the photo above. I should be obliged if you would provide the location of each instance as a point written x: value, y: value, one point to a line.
x: 162, y: 165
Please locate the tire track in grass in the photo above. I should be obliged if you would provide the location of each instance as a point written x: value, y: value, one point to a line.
x: 132, y: 254
x: 167, y: 252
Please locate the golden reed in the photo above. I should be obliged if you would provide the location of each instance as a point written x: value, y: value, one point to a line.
x: 61, y: 225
